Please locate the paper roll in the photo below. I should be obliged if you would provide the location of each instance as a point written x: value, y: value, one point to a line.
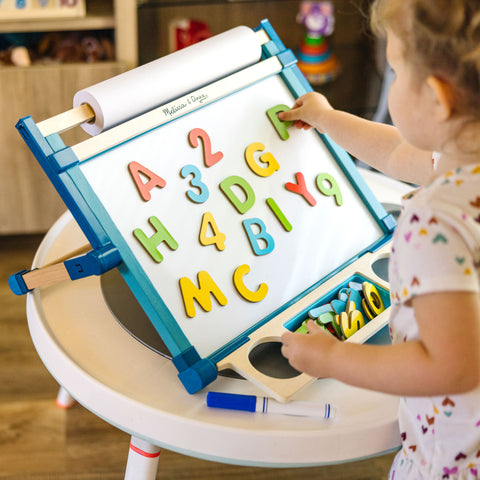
x: 139, y: 90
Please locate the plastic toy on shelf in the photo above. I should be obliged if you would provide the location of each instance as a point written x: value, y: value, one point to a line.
x: 184, y: 32
x: 316, y: 59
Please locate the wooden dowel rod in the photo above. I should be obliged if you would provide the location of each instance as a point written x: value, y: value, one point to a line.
x: 75, y: 253
x: 66, y: 120
x: 262, y: 36
x: 45, y: 276
x: 54, y: 271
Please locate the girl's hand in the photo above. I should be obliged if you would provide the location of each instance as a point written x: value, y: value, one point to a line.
x: 309, y: 353
x: 307, y: 111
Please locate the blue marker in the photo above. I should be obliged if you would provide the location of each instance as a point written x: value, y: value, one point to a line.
x: 251, y: 403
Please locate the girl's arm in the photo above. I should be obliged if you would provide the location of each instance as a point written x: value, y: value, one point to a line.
x: 445, y: 361
x: 376, y: 144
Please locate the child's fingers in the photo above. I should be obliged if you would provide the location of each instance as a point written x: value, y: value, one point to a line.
x: 288, y: 115
x: 287, y: 338
x: 296, y: 121
x: 313, y: 327
x: 301, y: 124
x: 294, y: 115
x: 284, y: 348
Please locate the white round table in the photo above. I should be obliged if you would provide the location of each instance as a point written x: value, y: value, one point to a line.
x: 134, y: 388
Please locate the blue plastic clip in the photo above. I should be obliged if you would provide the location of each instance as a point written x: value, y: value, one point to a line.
x: 194, y: 372
x: 17, y: 284
x: 287, y: 58
x: 95, y: 262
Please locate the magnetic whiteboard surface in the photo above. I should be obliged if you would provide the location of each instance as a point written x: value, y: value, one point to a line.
x: 322, y: 238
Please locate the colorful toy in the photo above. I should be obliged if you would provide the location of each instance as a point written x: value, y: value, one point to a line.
x: 348, y: 312
x: 185, y: 32
x: 315, y: 57
x: 372, y: 302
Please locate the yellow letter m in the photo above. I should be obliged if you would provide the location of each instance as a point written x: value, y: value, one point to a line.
x: 206, y: 287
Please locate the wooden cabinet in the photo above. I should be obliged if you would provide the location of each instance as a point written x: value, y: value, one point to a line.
x: 28, y: 202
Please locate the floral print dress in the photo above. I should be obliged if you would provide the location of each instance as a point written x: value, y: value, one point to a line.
x: 435, y: 248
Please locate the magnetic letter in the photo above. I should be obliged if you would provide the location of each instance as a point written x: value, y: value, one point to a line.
x: 301, y: 188
x: 218, y: 238
x: 201, y: 293
x: 246, y: 293
x: 261, y: 235
x: 372, y: 302
x: 351, y: 323
x: 271, y: 164
x: 280, y: 127
x: 333, y: 191
x: 203, y: 194
x: 279, y: 214
x: 151, y: 243
x: 226, y: 188
x: 135, y: 169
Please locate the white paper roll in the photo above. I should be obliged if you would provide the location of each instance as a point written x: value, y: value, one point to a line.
x: 139, y: 90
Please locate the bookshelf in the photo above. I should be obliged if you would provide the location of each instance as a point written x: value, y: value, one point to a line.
x: 28, y: 202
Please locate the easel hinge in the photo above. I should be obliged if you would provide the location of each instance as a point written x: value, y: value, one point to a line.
x: 287, y: 58
x: 63, y: 160
x: 95, y: 262
x: 389, y: 222
x: 195, y: 372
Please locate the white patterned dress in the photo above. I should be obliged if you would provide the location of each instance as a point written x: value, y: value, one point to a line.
x: 435, y: 248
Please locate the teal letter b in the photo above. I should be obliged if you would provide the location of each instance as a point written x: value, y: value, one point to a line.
x: 261, y: 235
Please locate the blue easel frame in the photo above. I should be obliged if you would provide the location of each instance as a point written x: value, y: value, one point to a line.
x: 110, y: 250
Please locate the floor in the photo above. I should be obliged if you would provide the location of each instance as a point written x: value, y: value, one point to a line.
x: 39, y: 441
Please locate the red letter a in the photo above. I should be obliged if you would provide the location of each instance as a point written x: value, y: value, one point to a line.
x: 144, y: 188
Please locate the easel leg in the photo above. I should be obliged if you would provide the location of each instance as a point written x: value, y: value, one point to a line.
x: 142, y: 460
x: 64, y: 399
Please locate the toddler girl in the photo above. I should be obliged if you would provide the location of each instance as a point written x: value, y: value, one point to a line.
x: 433, y: 46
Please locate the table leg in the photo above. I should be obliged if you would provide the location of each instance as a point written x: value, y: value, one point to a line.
x: 142, y: 460
x: 64, y: 399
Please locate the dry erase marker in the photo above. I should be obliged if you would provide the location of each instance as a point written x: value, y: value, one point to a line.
x: 251, y: 403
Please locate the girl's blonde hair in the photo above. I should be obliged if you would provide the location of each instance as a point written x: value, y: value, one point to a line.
x: 441, y: 38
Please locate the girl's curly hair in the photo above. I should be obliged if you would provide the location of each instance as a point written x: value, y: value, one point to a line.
x: 440, y: 38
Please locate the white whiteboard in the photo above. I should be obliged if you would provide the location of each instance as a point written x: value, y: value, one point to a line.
x: 322, y: 238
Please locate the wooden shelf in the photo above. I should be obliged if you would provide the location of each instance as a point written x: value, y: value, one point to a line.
x: 100, y: 16
x: 29, y: 201
x: 180, y: 3
x: 89, y: 22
